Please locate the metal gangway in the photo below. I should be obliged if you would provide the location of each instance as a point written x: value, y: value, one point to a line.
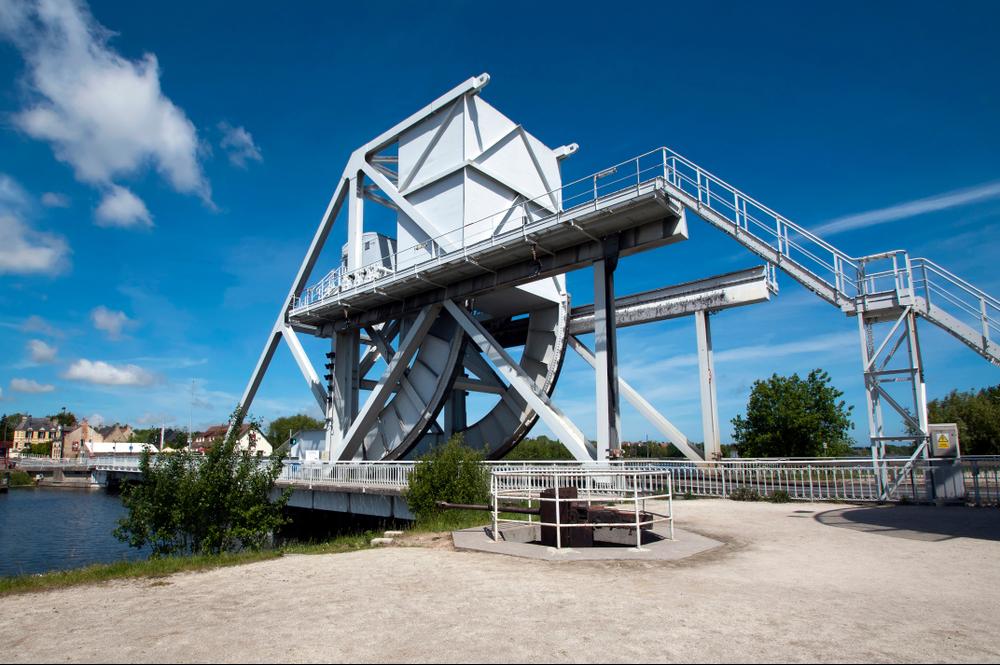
x: 888, y: 290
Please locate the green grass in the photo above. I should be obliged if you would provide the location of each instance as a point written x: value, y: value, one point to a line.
x: 163, y: 566
x: 149, y: 568
x: 452, y: 520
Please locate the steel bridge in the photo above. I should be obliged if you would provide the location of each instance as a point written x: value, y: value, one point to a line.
x: 486, y: 232
x: 377, y: 488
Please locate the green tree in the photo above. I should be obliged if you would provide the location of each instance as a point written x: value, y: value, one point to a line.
x: 40, y: 448
x: 788, y: 416
x: 977, y: 414
x: 539, y: 448
x: 279, y: 429
x: 7, y: 424
x: 449, y: 472
x: 192, y: 504
x: 65, y: 418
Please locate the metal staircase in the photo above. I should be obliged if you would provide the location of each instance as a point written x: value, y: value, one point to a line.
x: 891, y: 289
x: 881, y: 284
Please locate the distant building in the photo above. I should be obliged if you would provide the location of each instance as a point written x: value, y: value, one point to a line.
x: 305, y: 440
x: 251, y: 439
x: 35, y: 430
x: 117, y: 448
x: 116, y: 433
x: 4, y: 453
x: 71, y: 444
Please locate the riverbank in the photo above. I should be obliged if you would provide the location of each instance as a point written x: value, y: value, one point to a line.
x: 164, y: 566
x: 793, y: 582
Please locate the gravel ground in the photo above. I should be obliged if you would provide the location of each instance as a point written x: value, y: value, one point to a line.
x: 794, y: 582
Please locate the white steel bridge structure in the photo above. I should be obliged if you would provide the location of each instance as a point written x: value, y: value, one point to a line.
x: 486, y: 231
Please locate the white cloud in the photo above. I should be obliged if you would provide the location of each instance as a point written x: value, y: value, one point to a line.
x: 95, y: 420
x: 55, y: 200
x: 953, y: 199
x: 122, y: 208
x: 743, y: 354
x: 23, y: 250
x: 41, y: 352
x: 103, y: 114
x: 30, y: 386
x: 36, y: 324
x: 239, y: 145
x: 98, y: 371
x: 110, y: 321
x: 12, y: 195
x: 27, y: 251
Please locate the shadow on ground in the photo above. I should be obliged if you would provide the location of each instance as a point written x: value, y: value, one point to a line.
x: 927, y: 523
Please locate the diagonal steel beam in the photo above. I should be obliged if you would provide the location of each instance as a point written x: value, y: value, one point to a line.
x: 562, y: 426
x: 308, y: 372
x: 299, y: 283
x: 667, y: 428
x: 387, y: 384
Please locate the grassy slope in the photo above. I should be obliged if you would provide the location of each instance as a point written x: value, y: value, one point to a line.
x: 161, y: 567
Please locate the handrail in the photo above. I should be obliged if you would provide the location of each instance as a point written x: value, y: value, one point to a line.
x: 840, y: 278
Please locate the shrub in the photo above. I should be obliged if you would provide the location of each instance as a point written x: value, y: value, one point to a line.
x: 779, y: 496
x: 189, y: 504
x: 744, y: 494
x: 450, y: 472
x: 20, y: 478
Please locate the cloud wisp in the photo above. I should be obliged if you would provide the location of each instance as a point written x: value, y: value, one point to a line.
x: 104, y: 115
x: 945, y: 201
x: 123, y: 209
x: 23, y: 249
x: 239, y: 145
x: 40, y: 352
x: 55, y: 200
x: 30, y: 386
x: 111, y: 322
x: 103, y: 373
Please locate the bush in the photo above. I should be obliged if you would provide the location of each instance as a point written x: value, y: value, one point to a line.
x: 744, y: 494
x: 779, y: 496
x: 191, y: 504
x: 20, y: 479
x: 450, y: 472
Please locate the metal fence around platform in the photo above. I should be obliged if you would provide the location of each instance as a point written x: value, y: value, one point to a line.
x: 854, y: 479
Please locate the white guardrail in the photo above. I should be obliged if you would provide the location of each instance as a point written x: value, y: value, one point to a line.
x: 834, y: 274
x: 850, y: 479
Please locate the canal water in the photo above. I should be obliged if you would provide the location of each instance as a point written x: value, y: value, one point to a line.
x: 54, y: 529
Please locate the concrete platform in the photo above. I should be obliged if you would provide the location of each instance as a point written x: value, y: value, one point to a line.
x: 684, y: 545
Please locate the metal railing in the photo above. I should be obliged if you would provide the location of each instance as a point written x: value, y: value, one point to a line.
x: 834, y: 275
x: 850, y: 479
x: 614, y: 486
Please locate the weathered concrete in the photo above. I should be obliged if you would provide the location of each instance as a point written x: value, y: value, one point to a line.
x: 685, y: 544
x: 785, y: 586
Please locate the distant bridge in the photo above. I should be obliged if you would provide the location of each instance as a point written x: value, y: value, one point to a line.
x: 377, y: 488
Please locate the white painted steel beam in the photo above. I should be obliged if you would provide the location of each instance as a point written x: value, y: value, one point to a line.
x: 305, y: 270
x: 394, y: 370
x: 606, y: 360
x: 647, y: 410
x: 305, y: 366
x: 564, y: 429
x: 706, y: 375
x: 470, y: 86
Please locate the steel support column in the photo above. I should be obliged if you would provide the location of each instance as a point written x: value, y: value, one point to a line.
x: 706, y: 375
x: 347, y: 345
x: 606, y: 356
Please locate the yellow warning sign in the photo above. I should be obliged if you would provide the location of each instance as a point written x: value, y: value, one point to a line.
x: 943, y: 441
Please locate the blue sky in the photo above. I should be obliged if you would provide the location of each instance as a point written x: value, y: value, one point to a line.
x: 164, y: 167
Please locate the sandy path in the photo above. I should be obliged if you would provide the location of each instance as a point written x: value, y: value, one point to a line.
x: 785, y: 587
